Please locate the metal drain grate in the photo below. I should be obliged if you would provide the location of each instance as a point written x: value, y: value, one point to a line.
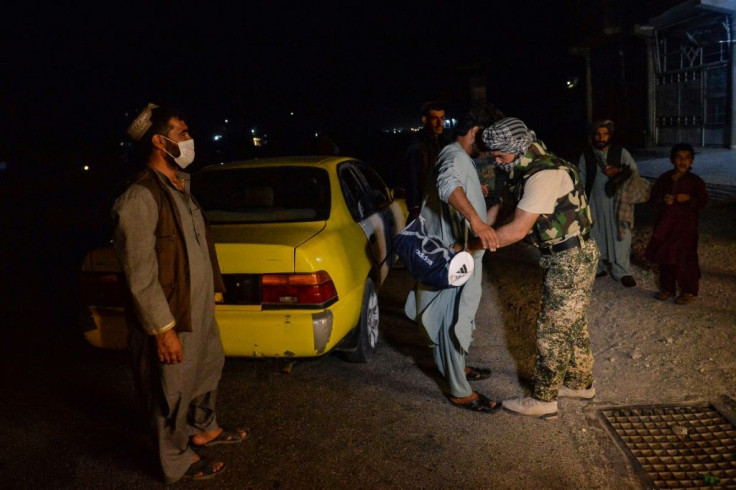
x: 677, y: 446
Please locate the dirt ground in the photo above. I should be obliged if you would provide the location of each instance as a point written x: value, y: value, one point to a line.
x: 647, y: 352
x: 645, y: 349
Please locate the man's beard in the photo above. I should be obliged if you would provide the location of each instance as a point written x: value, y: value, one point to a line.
x: 600, y: 145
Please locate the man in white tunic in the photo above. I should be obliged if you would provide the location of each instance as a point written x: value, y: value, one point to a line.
x: 604, y: 169
x: 448, y: 315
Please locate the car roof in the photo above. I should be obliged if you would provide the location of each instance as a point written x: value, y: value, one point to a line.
x: 326, y: 162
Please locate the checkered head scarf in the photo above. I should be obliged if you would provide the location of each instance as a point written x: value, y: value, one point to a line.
x: 509, y: 135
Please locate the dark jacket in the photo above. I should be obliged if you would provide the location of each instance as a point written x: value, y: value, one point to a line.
x: 419, y: 160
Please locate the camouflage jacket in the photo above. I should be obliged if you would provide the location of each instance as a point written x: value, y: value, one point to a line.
x: 572, y: 215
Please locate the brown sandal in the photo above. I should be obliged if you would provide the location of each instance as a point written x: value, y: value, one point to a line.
x: 227, y: 436
x: 481, y: 404
x: 204, y: 469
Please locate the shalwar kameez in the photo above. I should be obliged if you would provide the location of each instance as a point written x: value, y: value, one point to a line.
x: 448, y: 315
x: 612, y: 236
x: 181, y: 396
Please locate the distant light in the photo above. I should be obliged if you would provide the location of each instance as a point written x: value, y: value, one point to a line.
x: 257, y: 141
x: 291, y: 113
x: 85, y: 168
x: 122, y: 143
x: 227, y: 121
x: 217, y: 137
x: 316, y: 135
x: 571, y: 82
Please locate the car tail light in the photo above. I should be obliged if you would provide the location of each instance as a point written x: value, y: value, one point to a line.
x: 101, y: 289
x: 312, y: 290
x: 242, y: 289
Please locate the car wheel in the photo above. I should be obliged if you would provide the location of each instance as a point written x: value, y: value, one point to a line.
x: 366, y: 331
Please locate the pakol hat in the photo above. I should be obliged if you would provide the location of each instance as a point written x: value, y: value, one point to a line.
x: 141, y: 124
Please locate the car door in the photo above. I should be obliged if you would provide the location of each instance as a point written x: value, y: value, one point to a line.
x: 373, y: 208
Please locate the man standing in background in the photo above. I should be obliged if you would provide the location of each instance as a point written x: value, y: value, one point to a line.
x: 422, y: 154
x: 604, y: 169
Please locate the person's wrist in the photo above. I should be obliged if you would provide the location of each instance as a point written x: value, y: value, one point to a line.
x: 476, y: 222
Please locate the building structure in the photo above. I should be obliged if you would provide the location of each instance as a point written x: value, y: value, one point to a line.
x: 691, y: 66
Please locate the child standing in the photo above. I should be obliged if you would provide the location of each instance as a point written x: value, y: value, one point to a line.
x: 679, y: 195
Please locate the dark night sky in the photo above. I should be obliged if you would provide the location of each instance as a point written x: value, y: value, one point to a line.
x: 71, y: 74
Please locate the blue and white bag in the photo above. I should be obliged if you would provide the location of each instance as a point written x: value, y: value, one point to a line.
x: 429, y: 261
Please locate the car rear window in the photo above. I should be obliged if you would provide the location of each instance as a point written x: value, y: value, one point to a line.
x: 264, y: 194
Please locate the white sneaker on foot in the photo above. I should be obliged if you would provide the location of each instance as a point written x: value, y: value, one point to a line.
x: 584, y: 394
x: 532, y: 407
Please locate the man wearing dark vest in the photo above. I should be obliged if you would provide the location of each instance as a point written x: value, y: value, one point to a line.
x: 168, y: 258
x: 551, y: 212
x: 605, y: 168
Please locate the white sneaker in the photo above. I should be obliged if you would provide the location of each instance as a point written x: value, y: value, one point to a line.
x: 584, y: 394
x: 532, y: 407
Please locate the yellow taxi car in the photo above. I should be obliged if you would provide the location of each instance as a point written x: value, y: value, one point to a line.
x: 303, y: 244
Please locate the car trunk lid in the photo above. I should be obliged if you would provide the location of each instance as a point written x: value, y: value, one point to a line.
x: 263, y: 247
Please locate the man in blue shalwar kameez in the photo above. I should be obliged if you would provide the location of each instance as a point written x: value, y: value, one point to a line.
x: 448, y: 315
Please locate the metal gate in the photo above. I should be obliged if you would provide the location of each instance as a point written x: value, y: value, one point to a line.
x: 692, y: 80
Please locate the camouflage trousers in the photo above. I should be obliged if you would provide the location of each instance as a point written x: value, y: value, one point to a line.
x: 563, y: 342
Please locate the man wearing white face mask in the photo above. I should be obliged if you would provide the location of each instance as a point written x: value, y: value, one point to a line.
x: 168, y: 258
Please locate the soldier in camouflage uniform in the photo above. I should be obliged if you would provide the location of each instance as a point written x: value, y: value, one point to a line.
x: 551, y: 212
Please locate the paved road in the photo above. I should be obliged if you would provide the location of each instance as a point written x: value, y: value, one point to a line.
x: 71, y: 421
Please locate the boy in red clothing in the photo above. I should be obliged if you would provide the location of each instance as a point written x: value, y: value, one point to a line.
x: 679, y: 195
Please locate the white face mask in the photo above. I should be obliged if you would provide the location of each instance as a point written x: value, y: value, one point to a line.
x: 186, y: 152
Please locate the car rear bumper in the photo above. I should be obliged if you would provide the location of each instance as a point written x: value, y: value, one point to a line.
x: 252, y: 332
x: 249, y: 331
